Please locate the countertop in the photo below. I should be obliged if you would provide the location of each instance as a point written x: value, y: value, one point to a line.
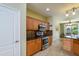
x: 33, y: 38
x: 71, y: 38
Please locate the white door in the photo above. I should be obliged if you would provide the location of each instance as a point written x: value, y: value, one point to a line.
x: 9, y: 32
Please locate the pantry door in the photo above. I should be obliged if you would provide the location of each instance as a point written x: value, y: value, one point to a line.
x: 9, y: 32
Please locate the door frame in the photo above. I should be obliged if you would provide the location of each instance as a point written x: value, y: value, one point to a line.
x: 18, y: 36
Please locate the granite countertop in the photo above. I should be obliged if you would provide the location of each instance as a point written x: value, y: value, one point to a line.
x: 71, y: 38
x: 27, y: 39
x: 33, y: 38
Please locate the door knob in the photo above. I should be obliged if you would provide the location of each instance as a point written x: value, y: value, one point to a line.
x: 16, y: 41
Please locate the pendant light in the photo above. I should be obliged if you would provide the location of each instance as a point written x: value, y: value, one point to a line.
x: 67, y: 14
x: 74, y: 9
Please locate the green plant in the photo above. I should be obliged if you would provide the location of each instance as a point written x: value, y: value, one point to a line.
x: 74, y: 29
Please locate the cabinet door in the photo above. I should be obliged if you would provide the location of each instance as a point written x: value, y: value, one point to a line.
x: 37, y: 45
x: 35, y: 24
x: 50, y: 40
x: 76, y: 49
x: 29, y: 22
x: 30, y: 47
x: 33, y: 46
x: 67, y: 44
x: 38, y: 41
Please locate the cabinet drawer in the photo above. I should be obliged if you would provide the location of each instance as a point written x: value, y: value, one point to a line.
x: 76, y: 48
x: 67, y: 44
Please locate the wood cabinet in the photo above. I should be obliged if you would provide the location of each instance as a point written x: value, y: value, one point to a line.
x: 30, y: 47
x: 76, y: 47
x: 29, y: 23
x: 38, y: 44
x: 33, y: 46
x: 35, y: 24
x: 71, y: 45
x: 47, y: 26
x: 68, y: 44
x: 32, y: 24
x: 49, y: 40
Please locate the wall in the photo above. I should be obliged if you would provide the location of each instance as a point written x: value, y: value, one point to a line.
x: 55, y: 21
x: 36, y: 15
x: 22, y: 8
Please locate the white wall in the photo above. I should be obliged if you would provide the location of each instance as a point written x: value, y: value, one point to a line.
x: 22, y: 8
x: 55, y: 21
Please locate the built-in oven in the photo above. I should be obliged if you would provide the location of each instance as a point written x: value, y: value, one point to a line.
x: 41, y: 33
x: 44, y: 42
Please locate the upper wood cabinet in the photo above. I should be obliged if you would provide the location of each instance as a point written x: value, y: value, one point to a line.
x: 35, y: 24
x: 32, y: 24
x: 29, y: 23
x: 47, y: 26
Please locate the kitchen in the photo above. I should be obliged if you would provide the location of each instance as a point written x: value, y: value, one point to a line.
x: 39, y: 37
x: 52, y: 29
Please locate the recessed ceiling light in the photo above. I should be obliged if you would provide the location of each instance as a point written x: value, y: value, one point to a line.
x: 47, y: 9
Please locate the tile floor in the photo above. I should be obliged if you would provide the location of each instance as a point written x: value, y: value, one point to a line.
x: 54, y: 50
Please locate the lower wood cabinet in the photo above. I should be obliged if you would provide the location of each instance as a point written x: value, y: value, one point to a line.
x: 30, y: 47
x: 71, y: 45
x: 38, y: 45
x: 68, y: 44
x: 33, y: 46
x: 49, y: 40
x: 76, y: 47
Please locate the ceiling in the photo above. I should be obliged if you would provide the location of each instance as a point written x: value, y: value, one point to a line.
x: 56, y: 8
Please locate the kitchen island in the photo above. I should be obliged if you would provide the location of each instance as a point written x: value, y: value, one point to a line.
x: 70, y: 45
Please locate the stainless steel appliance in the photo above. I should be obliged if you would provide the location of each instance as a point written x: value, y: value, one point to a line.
x: 41, y: 33
x: 44, y: 42
x: 41, y: 27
